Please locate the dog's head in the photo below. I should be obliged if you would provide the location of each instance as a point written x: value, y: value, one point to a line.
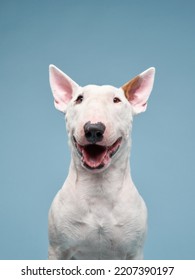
x: 99, y: 118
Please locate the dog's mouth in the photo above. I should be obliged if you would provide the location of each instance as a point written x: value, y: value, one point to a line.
x: 97, y: 156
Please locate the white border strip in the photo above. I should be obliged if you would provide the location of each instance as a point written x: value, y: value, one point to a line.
x: 165, y: 269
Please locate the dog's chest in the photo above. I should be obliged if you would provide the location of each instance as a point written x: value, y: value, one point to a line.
x: 101, y: 228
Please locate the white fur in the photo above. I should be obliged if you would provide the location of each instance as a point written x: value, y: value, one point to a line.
x: 97, y: 214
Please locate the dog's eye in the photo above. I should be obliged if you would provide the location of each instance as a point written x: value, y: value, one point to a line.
x: 79, y: 99
x: 116, y: 100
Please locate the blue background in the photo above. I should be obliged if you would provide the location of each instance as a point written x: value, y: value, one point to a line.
x: 102, y: 42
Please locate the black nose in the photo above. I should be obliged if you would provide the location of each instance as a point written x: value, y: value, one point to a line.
x: 94, y: 132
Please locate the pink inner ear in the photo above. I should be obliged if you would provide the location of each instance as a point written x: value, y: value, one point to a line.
x: 132, y: 91
x: 131, y: 88
x: 61, y: 86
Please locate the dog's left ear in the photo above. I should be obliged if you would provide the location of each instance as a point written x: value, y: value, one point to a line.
x: 138, y: 90
x: 62, y: 87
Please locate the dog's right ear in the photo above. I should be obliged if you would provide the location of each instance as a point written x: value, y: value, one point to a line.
x: 62, y: 87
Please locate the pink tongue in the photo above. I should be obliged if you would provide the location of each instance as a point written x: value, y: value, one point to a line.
x: 95, y: 159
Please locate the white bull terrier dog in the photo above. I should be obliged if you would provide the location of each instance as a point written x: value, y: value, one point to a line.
x: 98, y: 213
